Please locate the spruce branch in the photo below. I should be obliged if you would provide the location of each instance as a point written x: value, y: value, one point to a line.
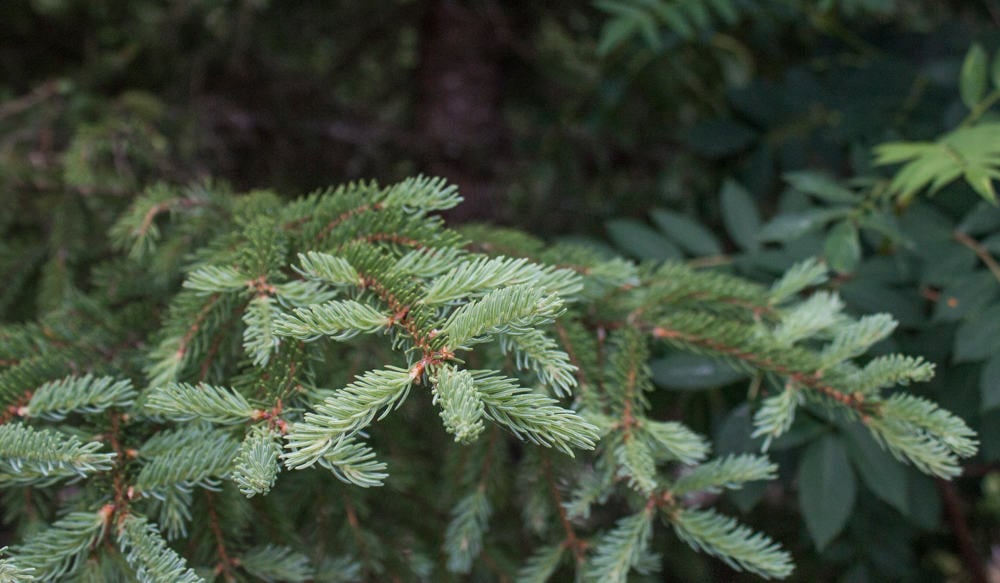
x: 184, y: 402
x: 184, y: 469
x: 674, y: 441
x: 511, y: 310
x: 542, y: 564
x: 259, y: 338
x: 148, y: 554
x: 474, y: 277
x: 10, y: 572
x: 59, y: 550
x: 463, y: 540
x: 461, y: 407
x: 87, y: 394
x: 353, y: 462
x: 217, y: 279
x: 256, y: 466
x: 274, y: 564
x: 372, y: 395
x: 622, y: 549
x: 532, y: 416
x: 737, y: 546
x: 42, y: 457
x: 327, y: 268
x: 729, y: 472
x: 337, y: 319
x: 537, y: 352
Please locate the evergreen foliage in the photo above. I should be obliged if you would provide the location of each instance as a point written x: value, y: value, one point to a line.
x: 316, y: 337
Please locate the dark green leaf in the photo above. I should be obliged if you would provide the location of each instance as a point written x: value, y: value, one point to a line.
x: 789, y: 226
x: 740, y: 215
x: 842, y: 248
x: 821, y: 186
x: 826, y: 489
x: 989, y: 384
x: 682, y: 371
x: 995, y: 72
x: 965, y: 295
x: 978, y: 337
x: 720, y: 138
x: 879, y: 471
x: 641, y: 241
x: 688, y: 234
x: 972, y: 80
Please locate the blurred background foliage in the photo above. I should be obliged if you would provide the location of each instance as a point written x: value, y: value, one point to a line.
x: 736, y: 134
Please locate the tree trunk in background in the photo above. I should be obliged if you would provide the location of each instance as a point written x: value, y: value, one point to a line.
x: 458, y: 110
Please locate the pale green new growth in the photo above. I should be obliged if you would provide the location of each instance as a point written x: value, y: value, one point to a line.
x: 461, y: 407
x: 776, y: 415
x: 802, y: 275
x: 256, y: 467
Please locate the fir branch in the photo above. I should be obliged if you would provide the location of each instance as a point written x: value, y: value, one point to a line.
x: 276, y: 564
x: 353, y: 462
x: 474, y: 277
x: 59, y: 550
x: 256, y: 466
x: 674, y: 441
x: 636, y: 464
x: 536, y: 352
x: 41, y: 457
x: 893, y: 369
x: 855, y: 338
x: 184, y: 402
x: 259, y: 338
x: 88, y: 394
x: 337, y: 319
x: 327, y: 268
x: 737, y: 546
x: 918, y: 431
x: 531, y: 415
x: 541, y: 565
x: 775, y: 417
x: 217, y: 279
x: 11, y: 572
x: 802, y: 275
x: 819, y: 312
x: 730, y: 472
x: 461, y: 407
x: 148, y: 554
x: 349, y: 410
x: 511, y: 310
x: 185, y: 468
x: 622, y: 549
x: 463, y: 540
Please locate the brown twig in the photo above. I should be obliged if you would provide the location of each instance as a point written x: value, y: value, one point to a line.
x: 982, y: 252
x: 225, y: 561
x: 960, y: 528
